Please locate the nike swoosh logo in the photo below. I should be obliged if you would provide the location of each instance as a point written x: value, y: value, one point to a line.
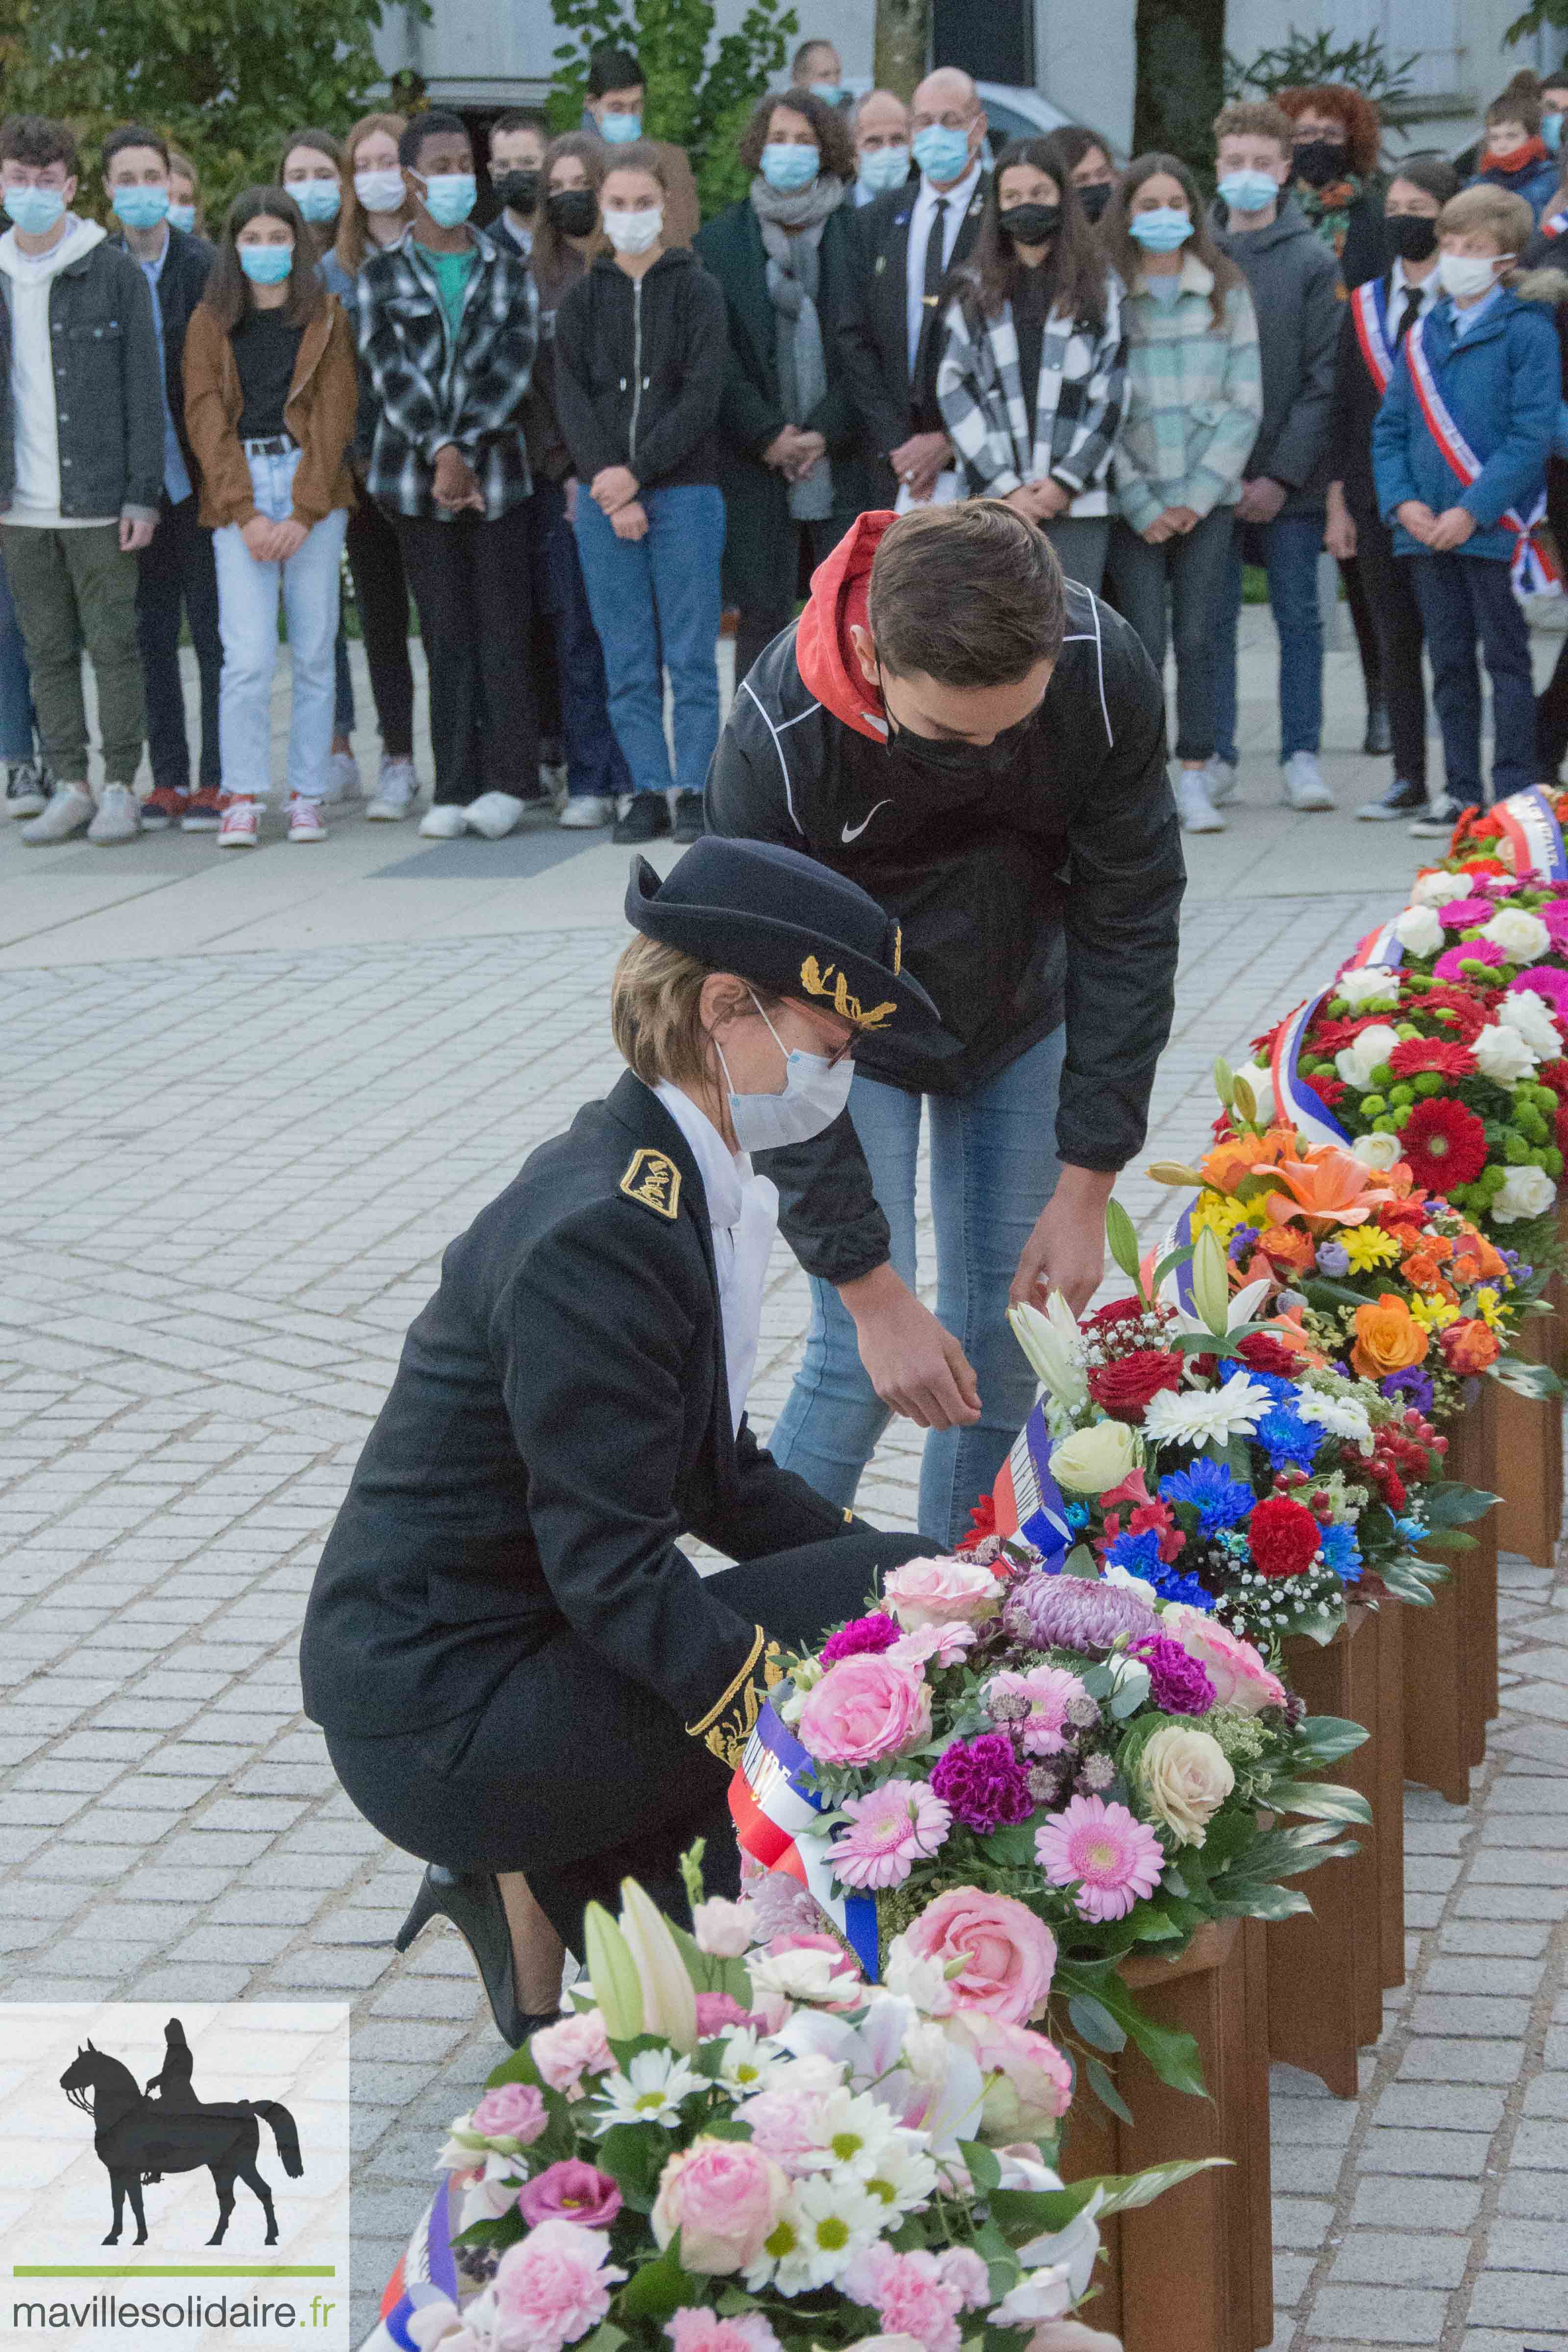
x: 853, y: 832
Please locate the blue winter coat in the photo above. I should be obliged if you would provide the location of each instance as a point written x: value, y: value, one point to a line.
x: 1536, y: 182
x: 1503, y: 385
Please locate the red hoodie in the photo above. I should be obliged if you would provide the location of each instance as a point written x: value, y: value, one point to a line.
x: 828, y: 664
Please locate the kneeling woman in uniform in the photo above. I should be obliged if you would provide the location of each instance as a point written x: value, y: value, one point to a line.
x: 521, y: 1677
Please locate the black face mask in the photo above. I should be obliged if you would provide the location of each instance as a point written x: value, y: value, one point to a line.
x: 1318, y: 161
x: 518, y: 190
x: 930, y: 758
x: 572, y: 212
x: 1031, y: 223
x: 1410, y: 237
x: 1095, y: 198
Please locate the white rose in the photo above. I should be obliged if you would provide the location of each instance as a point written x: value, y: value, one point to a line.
x: 1366, y: 983
x: 1523, y: 938
x: 1437, y: 889
x: 1502, y: 1054
x: 1356, y: 1063
x: 1093, y: 1459
x: 1261, y: 1081
x: 1418, y: 929
x: 1139, y: 1588
x: 1185, y: 1777
x: 1526, y: 1192
x: 1531, y: 1015
x: 796, y: 1976
x: 1376, y: 1150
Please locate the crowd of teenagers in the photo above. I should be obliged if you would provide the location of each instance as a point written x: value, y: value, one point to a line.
x: 571, y: 438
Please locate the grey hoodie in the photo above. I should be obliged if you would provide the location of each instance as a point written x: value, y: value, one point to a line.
x: 1295, y: 281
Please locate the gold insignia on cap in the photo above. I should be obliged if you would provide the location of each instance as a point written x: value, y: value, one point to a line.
x: 653, y: 1179
x: 818, y: 980
x: 898, y: 950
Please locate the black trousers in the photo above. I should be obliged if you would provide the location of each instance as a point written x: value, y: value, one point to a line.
x: 472, y: 580
x: 757, y: 626
x: 579, y: 1777
x: 1467, y: 602
x: 176, y: 570
x: 1396, y: 617
x: 1368, y: 642
x: 380, y: 593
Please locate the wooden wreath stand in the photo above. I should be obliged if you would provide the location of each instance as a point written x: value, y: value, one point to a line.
x: 1327, y: 1967
x: 1450, y: 1650
x: 1530, y: 1449
x: 1194, y: 2271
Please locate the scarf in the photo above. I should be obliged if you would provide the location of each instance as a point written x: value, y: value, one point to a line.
x: 1328, y: 210
x: 1517, y: 159
x: 792, y: 278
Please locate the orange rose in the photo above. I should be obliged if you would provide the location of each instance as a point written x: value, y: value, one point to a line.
x: 1420, y: 1269
x: 1387, y: 1338
x: 1287, y: 1245
x: 1469, y: 1346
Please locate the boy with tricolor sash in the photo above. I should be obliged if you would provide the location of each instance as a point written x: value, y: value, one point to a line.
x: 1459, y: 450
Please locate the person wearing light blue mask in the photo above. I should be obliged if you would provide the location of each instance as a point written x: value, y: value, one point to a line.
x: 881, y: 146
x: 615, y: 109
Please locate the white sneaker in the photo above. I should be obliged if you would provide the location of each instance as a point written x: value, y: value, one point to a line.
x: 240, y: 822
x: 1220, y: 778
x: 1304, y: 785
x: 396, y: 790
x: 305, y: 819
x: 1198, y: 811
x: 119, y: 817
x: 442, y: 821
x: 69, y: 811
x: 342, y: 780
x: 582, y: 809
x: 493, y: 814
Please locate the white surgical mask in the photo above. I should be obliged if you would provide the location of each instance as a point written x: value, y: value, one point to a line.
x: 380, y: 191
x: 814, y: 1091
x: 635, y: 232
x: 1467, y: 274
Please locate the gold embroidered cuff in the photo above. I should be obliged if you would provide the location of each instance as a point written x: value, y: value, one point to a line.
x: 695, y: 1730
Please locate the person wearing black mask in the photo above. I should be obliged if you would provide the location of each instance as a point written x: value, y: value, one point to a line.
x: 981, y: 744
x: 1378, y: 316
x: 1090, y: 169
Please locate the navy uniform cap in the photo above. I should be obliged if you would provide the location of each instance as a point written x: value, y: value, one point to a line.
x: 787, y: 923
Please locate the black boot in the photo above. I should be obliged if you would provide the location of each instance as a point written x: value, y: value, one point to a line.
x: 471, y: 1900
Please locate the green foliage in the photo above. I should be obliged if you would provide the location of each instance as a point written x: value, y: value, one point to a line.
x: 1181, y: 49
x: 225, y: 80
x: 1536, y: 19
x: 700, y: 92
x: 1301, y: 61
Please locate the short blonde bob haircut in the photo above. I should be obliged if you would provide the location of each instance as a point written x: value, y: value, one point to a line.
x: 656, y: 1013
x: 1490, y: 212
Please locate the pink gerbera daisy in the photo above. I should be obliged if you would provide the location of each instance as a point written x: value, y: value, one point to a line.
x: 896, y: 1826
x: 1047, y: 1692
x: 1111, y: 1858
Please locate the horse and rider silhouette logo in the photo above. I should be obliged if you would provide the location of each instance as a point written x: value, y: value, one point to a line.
x: 140, y: 2136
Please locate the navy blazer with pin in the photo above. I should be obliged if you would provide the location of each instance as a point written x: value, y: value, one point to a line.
x: 890, y: 399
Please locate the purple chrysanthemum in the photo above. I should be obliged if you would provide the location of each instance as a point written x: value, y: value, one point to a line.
x: 875, y: 1632
x: 1411, y: 1386
x: 982, y: 1783
x: 1076, y: 1612
x: 1177, y: 1683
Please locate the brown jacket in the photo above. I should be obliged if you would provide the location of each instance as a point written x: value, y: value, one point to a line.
x: 318, y: 413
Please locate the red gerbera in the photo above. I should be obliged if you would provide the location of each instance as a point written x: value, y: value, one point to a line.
x: 1283, y: 1535
x: 981, y: 1523
x: 1443, y: 1144
x: 1124, y: 1388
x: 1464, y: 1014
x: 1329, y: 1091
x: 1327, y: 1037
x: 1445, y: 1056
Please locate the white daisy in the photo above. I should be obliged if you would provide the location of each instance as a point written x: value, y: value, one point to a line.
x: 743, y: 2067
x: 1342, y: 1415
x: 650, y: 2092
x: 904, y: 2177
x: 1206, y: 1417
x: 828, y: 2220
x: 856, y: 2129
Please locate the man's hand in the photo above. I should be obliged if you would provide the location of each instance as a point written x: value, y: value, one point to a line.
x: 919, y: 460
x: 1452, y: 528
x: 456, y: 485
x: 134, y: 536
x: 261, y: 538
x: 781, y: 449
x: 288, y: 538
x: 914, y: 1365
x: 1339, y: 532
x: 1260, y: 499
x: 1417, y: 517
x: 1065, y: 1251
x: 613, y: 487
x: 630, y: 521
x: 808, y: 449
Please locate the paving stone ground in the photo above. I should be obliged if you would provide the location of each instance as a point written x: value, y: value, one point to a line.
x: 229, y: 1177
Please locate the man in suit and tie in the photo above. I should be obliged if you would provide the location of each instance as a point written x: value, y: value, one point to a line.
x: 903, y: 246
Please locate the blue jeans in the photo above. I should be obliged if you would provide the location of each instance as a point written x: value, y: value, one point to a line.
x: 993, y: 1168
x: 1287, y: 550
x: 1468, y: 600
x: 17, y: 720
x: 247, y: 593
x: 660, y: 590
x: 594, y: 764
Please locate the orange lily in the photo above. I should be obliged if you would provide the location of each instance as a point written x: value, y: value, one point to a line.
x: 1331, y: 1188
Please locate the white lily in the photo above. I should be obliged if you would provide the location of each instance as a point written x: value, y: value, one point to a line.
x: 668, y: 1997
x: 1054, y: 1346
x: 1218, y: 1313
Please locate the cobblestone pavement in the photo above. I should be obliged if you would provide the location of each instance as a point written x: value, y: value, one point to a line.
x: 229, y: 1179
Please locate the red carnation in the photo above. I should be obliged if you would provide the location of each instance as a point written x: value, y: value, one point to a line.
x: 1284, y: 1536
x: 1124, y: 1388
x: 1555, y: 1076
x: 1329, y: 1091
x: 1445, y: 1056
x: 1443, y: 1144
x: 1260, y: 1353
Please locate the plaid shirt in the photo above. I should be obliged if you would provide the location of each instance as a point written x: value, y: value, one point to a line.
x: 1194, y: 399
x: 432, y: 387
x: 1077, y: 403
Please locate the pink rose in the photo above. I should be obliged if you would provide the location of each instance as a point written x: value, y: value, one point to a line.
x: 725, y: 1929
x: 1239, y: 1676
x: 514, y: 2112
x: 564, y: 2053
x: 724, y: 2196
x: 1008, y: 1954
x: 703, y: 2331
x: 910, y: 2294
x: 554, y: 2287
x: 718, y: 2011
x: 863, y: 1709
x: 1029, y: 2083
x: 934, y: 1592
x: 570, y: 2191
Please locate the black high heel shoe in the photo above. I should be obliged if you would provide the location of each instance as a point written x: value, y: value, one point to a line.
x: 471, y: 1900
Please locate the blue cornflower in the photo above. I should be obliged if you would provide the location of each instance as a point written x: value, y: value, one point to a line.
x: 1342, y: 1553
x: 1172, y: 1586
x: 1413, y: 1531
x: 1287, y: 1440
x: 1077, y: 1515
x: 1138, y: 1555
x: 1219, y: 1498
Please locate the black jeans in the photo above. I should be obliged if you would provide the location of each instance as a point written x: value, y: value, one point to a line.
x: 381, y: 594
x: 757, y: 626
x: 176, y: 570
x: 1187, y: 571
x: 578, y: 1776
x: 1466, y: 600
x: 1396, y: 618
x: 472, y: 580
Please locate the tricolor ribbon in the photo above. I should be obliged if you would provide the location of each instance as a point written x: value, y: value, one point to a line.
x: 1555, y: 223
x: 1028, y: 1500
x: 1298, y: 1101
x: 1379, y: 947
x: 1533, y: 833
x: 773, y: 1805
x: 1368, y: 316
x: 1534, y: 573
x: 424, y: 2273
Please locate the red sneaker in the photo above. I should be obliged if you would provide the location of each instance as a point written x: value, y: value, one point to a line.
x: 165, y: 806
x: 204, y: 811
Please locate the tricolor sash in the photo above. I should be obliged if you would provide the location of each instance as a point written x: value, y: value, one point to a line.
x: 424, y: 2273
x: 1369, y: 315
x: 1533, y: 569
x: 1555, y: 223
x: 1296, y: 1098
x: 1379, y: 947
x: 1533, y: 833
x: 1028, y: 1500
x: 773, y: 1804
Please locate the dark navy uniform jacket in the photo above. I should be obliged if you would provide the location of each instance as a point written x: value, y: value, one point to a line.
x: 559, y: 1418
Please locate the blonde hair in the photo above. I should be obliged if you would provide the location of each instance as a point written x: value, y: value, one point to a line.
x: 1490, y: 212
x: 352, y: 237
x: 656, y: 1013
